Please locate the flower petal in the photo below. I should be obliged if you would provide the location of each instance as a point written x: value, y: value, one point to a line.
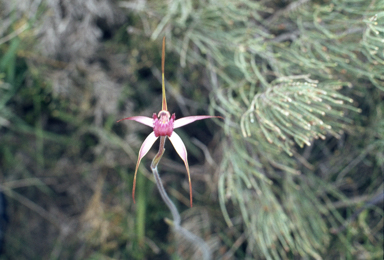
x: 189, y: 119
x: 147, y: 144
x: 141, y: 119
x: 182, y: 151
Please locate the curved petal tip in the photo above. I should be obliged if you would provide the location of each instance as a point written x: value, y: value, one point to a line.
x: 182, y: 151
x: 147, y: 144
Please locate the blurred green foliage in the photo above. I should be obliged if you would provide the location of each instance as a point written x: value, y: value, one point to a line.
x: 300, y: 84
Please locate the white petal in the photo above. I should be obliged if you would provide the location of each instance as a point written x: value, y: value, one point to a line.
x: 182, y: 151
x: 189, y: 119
x: 141, y: 119
x: 147, y: 144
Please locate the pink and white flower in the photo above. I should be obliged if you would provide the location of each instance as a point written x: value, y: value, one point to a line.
x: 163, y: 125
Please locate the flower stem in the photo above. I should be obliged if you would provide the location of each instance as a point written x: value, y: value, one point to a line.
x: 195, y: 240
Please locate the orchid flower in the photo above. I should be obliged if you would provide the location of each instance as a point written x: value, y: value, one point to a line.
x: 163, y: 125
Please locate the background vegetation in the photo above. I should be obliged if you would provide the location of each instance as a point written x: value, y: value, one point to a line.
x: 294, y: 172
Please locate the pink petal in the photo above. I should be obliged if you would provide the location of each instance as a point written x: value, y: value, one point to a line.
x: 147, y: 144
x: 141, y: 119
x: 189, y: 119
x: 182, y: 151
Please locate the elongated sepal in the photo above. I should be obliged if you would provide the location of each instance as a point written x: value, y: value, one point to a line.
x: 164, y: 101
x: 147, y: 144
x: 190, y: 119
x: 141, y: 119
x: 182, y: 151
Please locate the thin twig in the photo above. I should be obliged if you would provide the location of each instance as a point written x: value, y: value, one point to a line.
x: 13, y: 34
x: 31, y: 205
x: 379, y: 198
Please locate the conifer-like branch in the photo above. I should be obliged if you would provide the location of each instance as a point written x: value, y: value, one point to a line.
x: 297, y: 110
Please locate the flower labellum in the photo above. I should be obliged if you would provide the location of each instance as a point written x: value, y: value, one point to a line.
x: 163, y: 125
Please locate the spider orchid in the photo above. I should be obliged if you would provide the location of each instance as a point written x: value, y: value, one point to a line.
x: 163, y: 124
